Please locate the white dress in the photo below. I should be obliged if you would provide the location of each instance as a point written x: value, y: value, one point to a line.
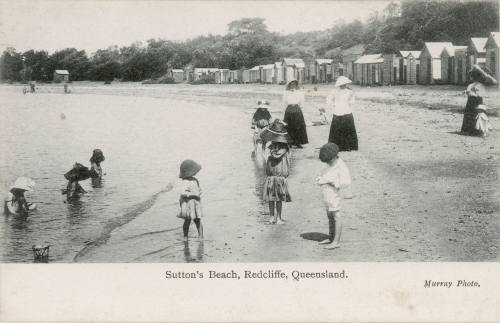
x: 331, y: 181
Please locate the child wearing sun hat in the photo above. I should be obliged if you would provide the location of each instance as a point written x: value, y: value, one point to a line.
x: 190, y: 197
x: 16, y: 201
x: 334, y: 177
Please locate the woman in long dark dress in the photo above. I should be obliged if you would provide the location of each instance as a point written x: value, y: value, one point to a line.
x: 475, y: 97
x: 293, y: 100
x: 342, y: 129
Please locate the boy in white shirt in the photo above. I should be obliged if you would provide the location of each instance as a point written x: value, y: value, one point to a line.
x: 334, y: 177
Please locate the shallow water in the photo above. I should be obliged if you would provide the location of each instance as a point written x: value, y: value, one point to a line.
x: 144, y: 132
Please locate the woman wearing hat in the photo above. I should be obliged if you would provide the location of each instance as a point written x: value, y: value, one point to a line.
x: 76, y: 174
x: 275, y: 190
x: 95, y: 163
x: 293, y: 100
x: 16, y: 202
x: 342, y: 129
x: 190, y: 197
x: 475, y: 98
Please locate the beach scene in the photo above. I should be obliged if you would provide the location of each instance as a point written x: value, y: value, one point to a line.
x: 421, y: 186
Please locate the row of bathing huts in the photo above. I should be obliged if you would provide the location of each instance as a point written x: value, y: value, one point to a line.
x: 435, y: 63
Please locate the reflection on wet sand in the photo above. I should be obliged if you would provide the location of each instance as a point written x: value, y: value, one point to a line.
x: 188, y: 257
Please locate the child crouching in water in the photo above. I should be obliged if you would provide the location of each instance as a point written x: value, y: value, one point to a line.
x: 190, y: 197
x: 277, y: 170
x: 334, y: 177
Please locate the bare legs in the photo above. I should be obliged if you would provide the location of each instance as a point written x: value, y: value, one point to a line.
x: 275, y: 217
x: 334, y: 230
x: 187, y: 223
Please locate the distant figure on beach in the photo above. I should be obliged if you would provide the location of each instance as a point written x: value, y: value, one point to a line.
x: 293, y: 100
x: 342, y: 129
x: 190, y: 197
x: 475, y: 121
x: 76, y: 174
x: 322, y: 119
x: 260, y: 120
x: 66, y: 88
x: 16, y: 203
x: 95, y: 163
x: 275, y: 190
x: 32, y: 87
x: 334, y: 177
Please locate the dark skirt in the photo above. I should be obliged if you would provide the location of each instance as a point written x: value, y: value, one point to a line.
x: 470, y: 114
x: 296, y: 126
x: 343, y: 132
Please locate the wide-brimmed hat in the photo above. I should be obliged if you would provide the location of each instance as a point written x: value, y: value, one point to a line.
x: 276, y: 132
x: 342, y: 80
x: 189, y: 168
x: 97, y: 156
x: 483, y: 74
x: 24, y: 183
x: 262, y: 102
x: 78, y: 173
x: 328, y: 152
x: 290, y: 83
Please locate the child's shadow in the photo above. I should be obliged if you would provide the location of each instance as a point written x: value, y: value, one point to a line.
x: 315, y: 236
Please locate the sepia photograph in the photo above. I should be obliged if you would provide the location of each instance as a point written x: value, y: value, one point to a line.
x: 170, y: 132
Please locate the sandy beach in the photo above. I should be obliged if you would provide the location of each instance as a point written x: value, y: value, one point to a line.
x: 420, y: 190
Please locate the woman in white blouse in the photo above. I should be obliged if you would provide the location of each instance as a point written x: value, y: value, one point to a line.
x: 342, y: 129
x: 293, y: 100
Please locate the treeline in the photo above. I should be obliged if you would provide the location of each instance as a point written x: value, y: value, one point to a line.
x: 249, y: 43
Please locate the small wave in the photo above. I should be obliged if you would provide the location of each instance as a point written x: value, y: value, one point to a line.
x: 114, y: 223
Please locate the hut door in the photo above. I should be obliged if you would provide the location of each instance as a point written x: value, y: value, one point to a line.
x: 492, y: 64
x: 401, y: 71
x: 395, y: 74
x: 450, y: 69
x: 429, y: 70
x: 459, y: 70
x: 374, y: 75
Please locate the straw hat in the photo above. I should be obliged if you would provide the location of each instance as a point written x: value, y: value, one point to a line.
x: 328, y: 152
x: 342, y: 80
x: 78, y: 173
x: 189, y: 168
x: 276, y: 132
x: 262, y: 102
x: 97, y: 156
x: 483, y: 74
x: 24, y: 183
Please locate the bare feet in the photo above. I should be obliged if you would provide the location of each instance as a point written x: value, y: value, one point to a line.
x: 334, y: 245
x: 326, y: 241
x: 279, y: 221
x: 272, y: 221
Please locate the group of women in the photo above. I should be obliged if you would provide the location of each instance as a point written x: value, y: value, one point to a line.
x: 342, y: 129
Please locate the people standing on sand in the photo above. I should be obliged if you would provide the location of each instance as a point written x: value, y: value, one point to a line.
x: 476, y: 93
x: 334, y: 177
x: 16, y: 203
x: 275, y: 190
x: 342, y: 129
x: 260, y: 120
x: 293, y: 100
x: 190, y: 197
x: 76, y: 174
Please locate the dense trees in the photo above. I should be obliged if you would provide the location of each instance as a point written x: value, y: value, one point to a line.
x: 248, y: 43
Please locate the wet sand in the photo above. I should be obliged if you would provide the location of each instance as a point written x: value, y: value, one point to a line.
x: 420, y: 191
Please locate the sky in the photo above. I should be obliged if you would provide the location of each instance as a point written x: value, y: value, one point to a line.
x: 92, y: 25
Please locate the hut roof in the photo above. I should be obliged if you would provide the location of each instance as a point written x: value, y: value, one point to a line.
x: 268, y: 67
x: 205, y: 69
x: 277, y: 64
x: 324, y: 61
x: 450, y: 50
x: 358, y: 49
x: 370, y: 59
x: 255, y: 68
x: 436, y: 48
x: 62, y: 72
x: 478, y: 44
x: 414, y: 53
x: 297, y: 62
x: 493, y: 40
x: 176, y: 70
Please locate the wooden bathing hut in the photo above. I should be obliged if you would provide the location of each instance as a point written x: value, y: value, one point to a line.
x: 267, y: 74
x: 349, y: 56
x: 389, y: 75
x: 61, y: 76
x: 293, y: 69
x: 460, y: 68
x: 430, y: 62
x: 476, y: 53
x: 244, y: 75
x: 204, y: 74
x: 448, y: 64
x: 222, y: 76
x: 255, y: 74
x: 492, y: 54
x: 369, y: 70
x: 278, y: 73
x: 233, y: 76
x: 177, y: 75
x: 408, y: 66
x: 323, y: 70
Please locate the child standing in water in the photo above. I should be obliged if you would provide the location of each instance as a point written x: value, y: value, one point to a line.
x: 16, y: 201
x: 76, y: 174
x: 95, y: 163
x: 334, y: 177
x: 190, y: 197
x: 277, y: 170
